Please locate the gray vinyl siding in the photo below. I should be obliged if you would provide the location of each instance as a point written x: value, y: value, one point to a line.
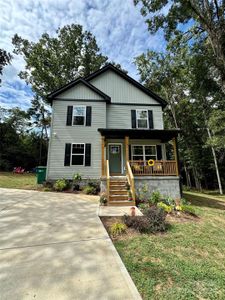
x: 80, y: 91
x: 62, y: 134
x: 119, y: 116
x: 120, y: 90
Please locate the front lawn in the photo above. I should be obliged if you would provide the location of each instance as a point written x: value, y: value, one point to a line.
x: 186, y: 262
x: 18, y: 181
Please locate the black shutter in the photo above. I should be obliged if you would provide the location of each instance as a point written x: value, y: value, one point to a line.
x: 88, y: 116
x: 159, y: 152
x: 150, y: 119
x: 129, y: 152
x: 67, y: 155
x: 69, y: 115
x: 133, y: 119
x: 87, y: 155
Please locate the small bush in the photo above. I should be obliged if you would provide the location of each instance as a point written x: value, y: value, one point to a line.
x: 89, y: 190
x: 103, y: 199
x: 152, y: 221
x: 169, y: 201
x: 165, y: 207
x: 95, y: 184
x: 143, y: 206
x: 140, y: 223
x: 183, y: 201
x: 117, y: 229
x: 61, y: 185
x: 188, y: 209
x: 155, y: 198
x: 76, y: 181
x: 156, y: 217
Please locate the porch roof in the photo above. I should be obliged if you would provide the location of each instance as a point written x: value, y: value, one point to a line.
x: 164, y: 135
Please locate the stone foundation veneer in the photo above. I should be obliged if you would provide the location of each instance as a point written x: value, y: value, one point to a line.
x: 168, y: 186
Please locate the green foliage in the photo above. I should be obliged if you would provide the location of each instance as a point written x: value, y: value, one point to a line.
x: 188, y: 209
x: 5, y: 59
x: 155, y: 197
x: 217, y: 126
x: 142, y: 194
x: 89, y: 190
x: 92, y: 188
x: 77, y: 177
x: 52, y: 62
x: 117, y: 229
x: 103, y: 199
x: 61, y: 185
x: 165, y: 207
x: 169, y: 201
x: 152, y: 221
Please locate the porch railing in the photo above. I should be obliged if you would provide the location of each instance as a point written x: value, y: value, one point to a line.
x: 160, y: 168
x: 130, y: 178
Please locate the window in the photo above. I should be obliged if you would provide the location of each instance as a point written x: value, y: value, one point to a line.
x: 142, y: 118
x: 79, y: 115
x: 78, y: 154
x: 144, y: 152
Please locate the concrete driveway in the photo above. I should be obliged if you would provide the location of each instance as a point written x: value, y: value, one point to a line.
x: 53, y: 246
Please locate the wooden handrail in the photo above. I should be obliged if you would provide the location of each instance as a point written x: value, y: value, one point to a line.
x: 160, y: 168
x: 130, y: 178
x: 107, y: 179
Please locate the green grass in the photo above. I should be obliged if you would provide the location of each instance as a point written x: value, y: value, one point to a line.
x: 18, y: 181
x: 187, y: 262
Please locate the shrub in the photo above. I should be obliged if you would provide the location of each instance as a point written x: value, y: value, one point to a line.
x: 165, y: 207
x: 95, y: 184
x: 155, y: 198
x: 140, y: 223
x: 103, y: 199
x: 143, y: 206
x: 76, y: 181
x: 152, y: 221
x: 156, y: 217
x: 89, y: 190
x: 61, y: 185
x: 188, y: 209
x: 183, y: 201
x: 142, y: 194
x: 117, y: 229
x: 169, y: 201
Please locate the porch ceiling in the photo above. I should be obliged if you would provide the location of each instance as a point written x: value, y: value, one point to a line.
x: 164, y: 135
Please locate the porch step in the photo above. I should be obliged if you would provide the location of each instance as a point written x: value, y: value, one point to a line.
x: 118, y: 182
x: 118, y: 197
x: 121, y: 203
x: 118, y: 192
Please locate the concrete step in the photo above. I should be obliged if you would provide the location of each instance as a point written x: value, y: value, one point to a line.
x: 121, y: 203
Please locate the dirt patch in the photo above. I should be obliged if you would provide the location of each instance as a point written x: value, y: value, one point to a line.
x: 181, y: 218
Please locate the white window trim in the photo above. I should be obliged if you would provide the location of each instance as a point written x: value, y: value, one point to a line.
x: 78, y: 154
x: 85, y: 113
x: 143, y: 147
x: 141, y: 119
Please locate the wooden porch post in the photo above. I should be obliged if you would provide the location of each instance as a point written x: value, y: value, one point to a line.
x: 103, y: 156
x: 176, y: 155
x: 127, y: 148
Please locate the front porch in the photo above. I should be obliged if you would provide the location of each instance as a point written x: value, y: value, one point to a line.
x: 140, y: 156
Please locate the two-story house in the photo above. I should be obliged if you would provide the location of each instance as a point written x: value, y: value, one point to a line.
x: 108, y: 126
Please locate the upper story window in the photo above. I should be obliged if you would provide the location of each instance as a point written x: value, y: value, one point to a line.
x: 79, y: 115
x: 142, y: 118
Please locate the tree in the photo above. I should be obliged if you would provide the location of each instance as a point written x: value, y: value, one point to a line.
x: 54, y: 61
x: 202, y: 18
x: 5, y: 59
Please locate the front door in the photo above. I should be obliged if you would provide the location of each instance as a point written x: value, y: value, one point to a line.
x: 115, y: 158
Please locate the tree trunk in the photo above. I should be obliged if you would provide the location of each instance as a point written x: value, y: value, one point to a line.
x: 216, y: 164
x: 187, y: 176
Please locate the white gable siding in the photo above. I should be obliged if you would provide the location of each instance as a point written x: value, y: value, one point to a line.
x: 80, y: 91
x: 120, y: 90
x: 75, y: 134
x: 119, y: 116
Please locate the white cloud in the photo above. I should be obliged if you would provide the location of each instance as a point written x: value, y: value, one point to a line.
x: 119, y: 28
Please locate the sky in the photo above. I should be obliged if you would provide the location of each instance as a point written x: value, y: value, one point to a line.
x: 119, y: 28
